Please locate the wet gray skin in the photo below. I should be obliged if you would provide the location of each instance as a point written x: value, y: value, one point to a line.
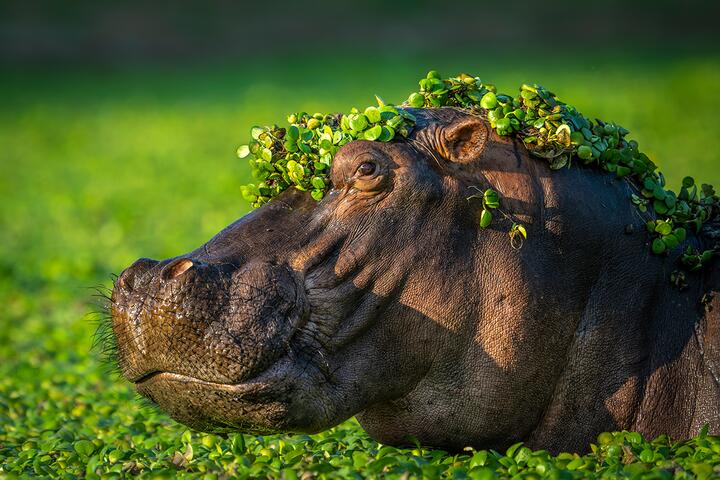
x: 387, y: 301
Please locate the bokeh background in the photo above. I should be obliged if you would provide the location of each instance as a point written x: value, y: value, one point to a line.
x: 119, y: 123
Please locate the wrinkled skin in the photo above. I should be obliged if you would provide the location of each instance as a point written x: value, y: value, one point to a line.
x: 387, y: 301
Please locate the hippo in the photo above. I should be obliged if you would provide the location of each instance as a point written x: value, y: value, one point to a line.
x: 386, y: 301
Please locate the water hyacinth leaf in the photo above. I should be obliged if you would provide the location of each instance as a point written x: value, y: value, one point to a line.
x: 358, y: 122
x: 317, y: 194
x: 491, y: 199
x: 372, y: 114
x: 84, y: 448
x: 249, y: 192
x: 670, y: 241
x: 502, y: 125
x: 416, y: 100
x: 521, y: 229
x: 306, y: 135
x: 707, y: 255
x: 295, y: 170
x: 373, y: 133
x: 485, y: 218
x: 243, y: 151
x: 386, y: 134
x: 488, y: 101
x: 660, y: 207
x: 293, y: 132
x: 658, y: 246
x: 584, y: 152
x: 318, y: 183
x: 255, y: 132
x: 290, y: 146
x: 662, y: 227
x: 680, y: 233
x: 577, y: 138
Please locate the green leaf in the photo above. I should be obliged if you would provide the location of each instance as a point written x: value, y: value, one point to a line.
x: 670, y: 241
x: 485, y: 218
x: 372, y: 114
x: 680, y: 234
x: 491, y: 199
x: 243, y: 151
x: 503, y: 126
x: 255, y: 132
x: 433, y: 74
x: 521, y: 229
x: 584, y: 152
x: 577, y: 138
x: 249, y: 192
x: 660, y: 207
x: 295, y: 171
x: 416, y: 100
x: 663, y: 228
x: 84, y: 448
x: 488, y: 101
x: 373, y: 133
x: 386, y: 135
x: 318, y: 183
x: 358, y: 122
x: 706, y: 256
x: 293, y: 132
x: 658, y: 246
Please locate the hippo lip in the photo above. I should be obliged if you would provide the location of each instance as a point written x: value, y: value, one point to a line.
x: 261, y: 379
x: 145, y: 376
x: 178, y: 377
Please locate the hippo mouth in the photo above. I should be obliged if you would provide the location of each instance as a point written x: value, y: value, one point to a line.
x: 147, y: 380
x: 262, y: 404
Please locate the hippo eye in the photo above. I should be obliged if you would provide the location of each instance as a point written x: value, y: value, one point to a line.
x: 366, y: 168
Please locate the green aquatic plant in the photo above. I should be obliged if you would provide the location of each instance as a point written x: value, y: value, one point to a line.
x: 301, y: 153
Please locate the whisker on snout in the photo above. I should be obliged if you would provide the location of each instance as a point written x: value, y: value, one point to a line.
x: 104, y: 343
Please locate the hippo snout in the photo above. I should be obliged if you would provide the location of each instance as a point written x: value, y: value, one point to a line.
x: 215, y: 325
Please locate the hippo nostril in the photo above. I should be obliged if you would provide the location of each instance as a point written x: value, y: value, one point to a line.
x: 127, y: 278
x: 176, y: 268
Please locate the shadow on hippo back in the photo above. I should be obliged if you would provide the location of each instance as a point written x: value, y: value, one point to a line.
x: 386, y: 300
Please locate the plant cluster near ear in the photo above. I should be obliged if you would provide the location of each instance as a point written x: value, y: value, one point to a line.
x: 300, y: 155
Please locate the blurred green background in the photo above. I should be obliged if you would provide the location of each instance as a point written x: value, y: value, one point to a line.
x: 119, y: 124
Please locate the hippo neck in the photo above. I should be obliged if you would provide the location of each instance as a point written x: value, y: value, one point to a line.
x: 635, y: 361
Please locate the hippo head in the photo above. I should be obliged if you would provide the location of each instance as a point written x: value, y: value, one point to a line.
x: 384, y: 300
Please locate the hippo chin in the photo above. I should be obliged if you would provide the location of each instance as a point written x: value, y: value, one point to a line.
x: 387, y: 301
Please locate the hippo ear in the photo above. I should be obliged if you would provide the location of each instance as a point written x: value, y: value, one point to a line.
x: 463, y: 141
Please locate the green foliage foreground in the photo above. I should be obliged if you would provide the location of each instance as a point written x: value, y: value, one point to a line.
x: 132, y: 445
x: 100, y: 169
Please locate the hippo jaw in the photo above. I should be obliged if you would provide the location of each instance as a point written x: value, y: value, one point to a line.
x: 216, y: 345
